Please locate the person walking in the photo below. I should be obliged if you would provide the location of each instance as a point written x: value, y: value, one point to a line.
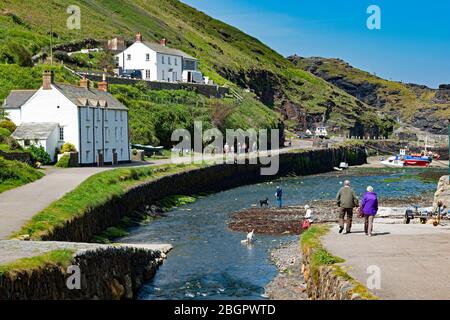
x: 279, y: 196
x: 346, y: 200
x: 369, y: 208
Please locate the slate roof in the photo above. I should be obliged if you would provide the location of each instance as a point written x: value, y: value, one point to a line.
x: 91, y: 97
x: 34, y: 130
x: 166, y: 50
x: 17, y: 98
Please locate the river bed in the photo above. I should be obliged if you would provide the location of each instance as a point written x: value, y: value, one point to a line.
x: 208, y: 260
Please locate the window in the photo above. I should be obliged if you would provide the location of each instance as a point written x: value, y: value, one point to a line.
x: 87, y: 134
x: 87, y: 114
x: 121, y: 116
x: 121, y: 133
x: 115, y: 133
x: 105, y: 114
x: 163, y: 60
x: 98, y: 114
x: 128, y: 57
x: 163, y: 75
x: 61, y: 133
x: 175, y: 76
x: 106, y: 134
x: 87, y: 155
x: 169, y: 60
x: 96, y: 130
x: 147, y: 74
x: 176, y: 61
x: 115, y: 115
x: 147, y: 57
x: 27, y: 143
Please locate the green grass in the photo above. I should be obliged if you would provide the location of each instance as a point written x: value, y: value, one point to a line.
x: 94, y: 192
x: 310, y: 242
x: 63, y: 162
x: 13, y: 174
x: 60, y: 258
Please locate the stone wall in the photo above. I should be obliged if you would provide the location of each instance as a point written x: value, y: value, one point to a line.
x: 324, y: 283
x: 106, y: 274
x: 203, y: 89
x: 209, y: 179
x: 19, y: 156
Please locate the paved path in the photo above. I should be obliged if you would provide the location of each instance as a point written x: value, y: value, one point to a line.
x: 18, y: 205
x: 413, y: 259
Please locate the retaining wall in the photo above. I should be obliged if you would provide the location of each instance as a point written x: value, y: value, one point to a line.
x: 106, y: 274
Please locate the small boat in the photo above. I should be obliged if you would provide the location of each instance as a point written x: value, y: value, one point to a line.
x: 412, y: 161
x: 393, y: 162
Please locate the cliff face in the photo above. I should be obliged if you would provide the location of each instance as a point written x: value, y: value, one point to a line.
x: 422, y: 107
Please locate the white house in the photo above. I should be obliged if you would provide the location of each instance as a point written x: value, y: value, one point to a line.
x: 158, y: 62
x: 91, y: 119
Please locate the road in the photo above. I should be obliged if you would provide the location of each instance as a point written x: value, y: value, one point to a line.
x: 412, y: 259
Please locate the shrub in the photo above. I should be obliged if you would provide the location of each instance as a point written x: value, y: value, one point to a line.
x: 12, y: 143
x: 38, y: 154
x: 4, y: 132
x: 64, y: 162
x: 13, y: 52
x: 8, y: 124
x: 68, y: 147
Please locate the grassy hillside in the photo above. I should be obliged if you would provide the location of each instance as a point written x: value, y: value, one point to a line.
x: 225, y: 53
x: 14, y: 174
x: 417, y: 105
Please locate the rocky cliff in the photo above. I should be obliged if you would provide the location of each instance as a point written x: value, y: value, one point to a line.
x: 416, y: 105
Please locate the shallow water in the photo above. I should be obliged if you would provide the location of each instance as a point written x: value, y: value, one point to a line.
x: 209, y: 262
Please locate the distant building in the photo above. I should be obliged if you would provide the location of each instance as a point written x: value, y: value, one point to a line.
x: 158, y: 62
x: 91, y: 119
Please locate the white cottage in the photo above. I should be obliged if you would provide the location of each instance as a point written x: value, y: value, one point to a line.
x: 91, y: 119
x: 158, y: 62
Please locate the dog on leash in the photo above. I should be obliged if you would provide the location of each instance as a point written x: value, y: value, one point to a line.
x: 264, y: 202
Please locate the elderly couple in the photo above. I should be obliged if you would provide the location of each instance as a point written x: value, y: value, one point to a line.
x: 347, y: 200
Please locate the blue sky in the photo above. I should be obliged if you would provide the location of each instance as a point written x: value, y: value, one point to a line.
x: 413, y: 44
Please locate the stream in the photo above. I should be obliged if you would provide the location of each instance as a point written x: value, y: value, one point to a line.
x: 208, y: 260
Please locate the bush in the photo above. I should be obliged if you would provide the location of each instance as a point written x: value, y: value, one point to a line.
x: 12, y: 143
x: 9, y: 125
x: 13, y: 52
x: 68, y: 147
x: 4, y: 132
x: 64, y: 162
x: 38, y: 154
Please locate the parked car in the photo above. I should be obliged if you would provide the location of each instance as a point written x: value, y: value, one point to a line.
x: 321, y: 132
x: 132, y: 74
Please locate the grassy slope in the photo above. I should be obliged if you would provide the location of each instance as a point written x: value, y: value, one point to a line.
x: 396, y: 96
x: 224, y: 51
x: 14, y: 174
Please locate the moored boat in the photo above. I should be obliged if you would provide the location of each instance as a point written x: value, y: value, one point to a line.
x: 393, y: 162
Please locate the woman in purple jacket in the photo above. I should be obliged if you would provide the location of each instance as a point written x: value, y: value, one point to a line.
x: 369, y: 208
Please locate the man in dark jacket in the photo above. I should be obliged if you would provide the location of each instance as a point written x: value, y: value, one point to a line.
x: 346, y: 200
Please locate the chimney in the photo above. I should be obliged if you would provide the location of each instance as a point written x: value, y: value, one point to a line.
x: 84, y: 83
x: 48, y: 78
x: 103, y: 86
x: 138, y: 37
x: 163, y: 42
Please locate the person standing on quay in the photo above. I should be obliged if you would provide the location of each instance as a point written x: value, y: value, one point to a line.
x: 279, y: 195
x: 369, y: 208
x: 346, y: 200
